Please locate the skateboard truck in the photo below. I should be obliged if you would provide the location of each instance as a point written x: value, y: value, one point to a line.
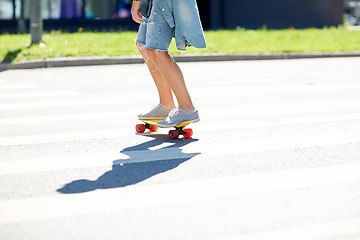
x: 140, y: 128
x: 174, y: 134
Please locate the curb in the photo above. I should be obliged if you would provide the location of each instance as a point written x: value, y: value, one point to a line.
x: 92, y: 61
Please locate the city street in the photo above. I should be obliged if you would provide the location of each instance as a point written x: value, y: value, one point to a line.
x: 276, y: 154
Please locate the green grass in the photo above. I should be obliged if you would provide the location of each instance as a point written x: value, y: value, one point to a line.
x: 57, y: 44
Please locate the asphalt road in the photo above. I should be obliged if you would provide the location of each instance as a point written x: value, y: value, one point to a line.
x: 276, y: 154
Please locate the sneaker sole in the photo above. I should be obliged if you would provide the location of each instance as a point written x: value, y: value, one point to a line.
x: 151, y: 118
x: 177, y: 124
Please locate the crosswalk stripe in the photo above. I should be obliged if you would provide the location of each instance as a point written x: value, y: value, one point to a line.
x: 65, y: 117
x: 320, y: 119
x: 63, y: 137
x: 57, y: 163
x: 70, y: 103
x: 275, y: 143
x: 278, y: 122
x: 18, y: 86
x: 73, y: 136
x: 171, y: 153
x: 38, y: 94
x: 133, y: 197
x: 312, y: 232
x: 203, y: 125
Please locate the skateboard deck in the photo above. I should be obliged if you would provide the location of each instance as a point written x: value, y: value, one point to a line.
x: 151, y: 124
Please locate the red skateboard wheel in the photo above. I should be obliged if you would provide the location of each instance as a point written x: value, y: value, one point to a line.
x: 188, y: 133
x: 174, y: 134
x: 140, y: 128
x: 153, y: 128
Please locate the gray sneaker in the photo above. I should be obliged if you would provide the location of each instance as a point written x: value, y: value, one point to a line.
x: 178, y: 116
x: 159, y: 112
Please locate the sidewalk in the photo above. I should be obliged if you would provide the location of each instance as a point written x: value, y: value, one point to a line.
x: 104, y: 60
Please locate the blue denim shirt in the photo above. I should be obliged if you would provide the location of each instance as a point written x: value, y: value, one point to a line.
x: 184, y: 16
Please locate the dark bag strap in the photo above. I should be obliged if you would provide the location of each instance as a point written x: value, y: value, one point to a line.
x: 145, y: 7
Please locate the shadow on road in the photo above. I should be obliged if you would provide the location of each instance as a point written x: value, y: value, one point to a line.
x: 142, y: 164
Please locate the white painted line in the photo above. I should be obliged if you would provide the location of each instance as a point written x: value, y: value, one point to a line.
x: 88, y: 161
x: 39, y: 94
x: 170, y: 153
x: 242, y: 81
x: 58, y: 163
x: 236, y: 147
x: 278, y: 122
x: 65, y: 117
x: 264, y: 144
x: 134, y: 197
x: 318, y: 119
x: 203, y: 126
x: 332, y: 230
x: 18, y: 86
x: 72, y: 103
x: 64, y: 137
x: 43, y: 138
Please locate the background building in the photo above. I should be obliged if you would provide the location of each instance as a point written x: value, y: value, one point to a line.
x: 70, y: 15
x: 273, y: 14
x: 60, y: 9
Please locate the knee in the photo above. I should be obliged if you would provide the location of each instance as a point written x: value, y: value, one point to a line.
x: 151, y: 54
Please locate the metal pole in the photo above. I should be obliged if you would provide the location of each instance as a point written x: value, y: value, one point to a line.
x: 83, y: 8
x: 14, y: 9
x: 21, y: 22
x: 50, y: 9
x: 36, y: 25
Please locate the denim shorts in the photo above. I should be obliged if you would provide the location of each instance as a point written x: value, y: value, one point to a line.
x: 155, y: 32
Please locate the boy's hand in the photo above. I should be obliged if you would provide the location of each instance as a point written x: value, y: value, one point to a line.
x: 136, y: 15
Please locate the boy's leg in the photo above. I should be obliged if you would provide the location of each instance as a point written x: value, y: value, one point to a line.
x: 171, y: 72
x: 165, y: 94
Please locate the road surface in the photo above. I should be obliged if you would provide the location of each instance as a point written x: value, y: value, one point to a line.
x: 276, y: 154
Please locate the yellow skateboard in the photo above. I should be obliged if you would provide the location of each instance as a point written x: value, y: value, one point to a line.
x: 151, y: 124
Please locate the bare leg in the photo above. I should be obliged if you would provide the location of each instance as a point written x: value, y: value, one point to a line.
x: 171, y: 72
x: 165, y: 94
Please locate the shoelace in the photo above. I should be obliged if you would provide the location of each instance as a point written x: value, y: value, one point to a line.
x: 174, y: 112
